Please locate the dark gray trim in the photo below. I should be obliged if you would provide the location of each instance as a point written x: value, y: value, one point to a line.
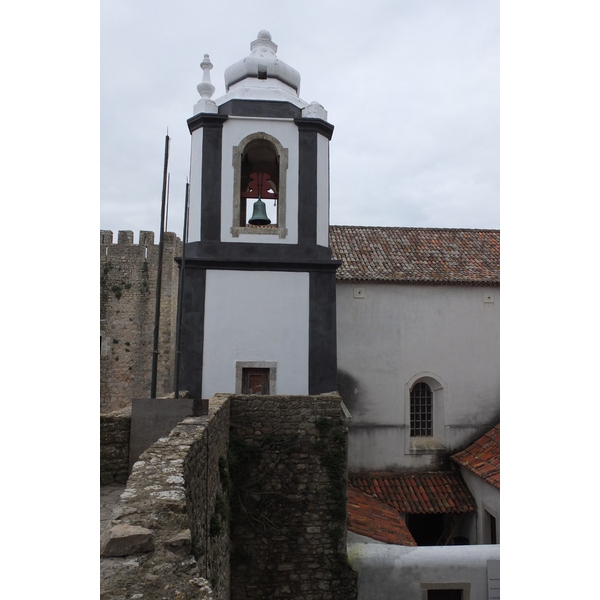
x: 316, y: 125
x: 241, y: 251
x: 260, y: 108
x: 192, y: 330
x: 322, y: 336
x: 307, y: 186
x: 210, y: 198
x: 328, y: 266
x: 205, y: 120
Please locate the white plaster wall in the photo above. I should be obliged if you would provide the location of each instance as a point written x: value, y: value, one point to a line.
x: 195, y: 186
x: 256, y: 316
x: 487, y: 497
x: 388, y: 572
x: 396, y: 332
x: 322, y: 191
x: 235, y: 129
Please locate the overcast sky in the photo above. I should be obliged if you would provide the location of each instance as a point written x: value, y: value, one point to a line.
x: 412, y: 88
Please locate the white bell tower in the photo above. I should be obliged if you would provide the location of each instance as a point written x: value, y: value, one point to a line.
x: 258, y: 312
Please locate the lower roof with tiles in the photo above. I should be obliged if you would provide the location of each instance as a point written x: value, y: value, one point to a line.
x: 417, y: 493
x: 375, y: 519
x: 482, y: 457
x: 416, y: 255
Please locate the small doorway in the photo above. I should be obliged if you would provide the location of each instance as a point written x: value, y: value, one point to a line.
x: 255, y: 381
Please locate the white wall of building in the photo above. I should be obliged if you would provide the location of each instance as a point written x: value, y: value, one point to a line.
x: 267, y: 320
x: 195, y: 186
x: 388, y: 572
x: 487, y: 499
x: 391, y: 335
x: 323, y: 191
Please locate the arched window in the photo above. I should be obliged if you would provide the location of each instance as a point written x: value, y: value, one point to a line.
x: 260, y: 172
x: 421, y: 410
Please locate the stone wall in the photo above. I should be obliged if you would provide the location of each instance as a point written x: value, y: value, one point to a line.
x: 128, y: 274
x: 287, y: 460
x: 115, y: 430
x: 169, y: 537
x: 246, y: 502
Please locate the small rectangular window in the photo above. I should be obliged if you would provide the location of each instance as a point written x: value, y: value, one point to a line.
x: 255, y: 381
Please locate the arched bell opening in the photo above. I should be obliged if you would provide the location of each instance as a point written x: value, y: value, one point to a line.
x: 260, y: 165
x: 259, y: 185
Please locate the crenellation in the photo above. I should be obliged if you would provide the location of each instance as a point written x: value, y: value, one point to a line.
x: 106, y: 237
x: 146, y: 238
x: 125, y: 238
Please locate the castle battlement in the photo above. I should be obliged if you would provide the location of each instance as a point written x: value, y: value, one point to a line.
x: 125, y: 238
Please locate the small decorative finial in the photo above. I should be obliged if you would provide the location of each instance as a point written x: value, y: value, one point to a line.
x: 206, y: 89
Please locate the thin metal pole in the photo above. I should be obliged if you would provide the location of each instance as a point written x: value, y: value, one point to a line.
x: 180, y: 291
x: 159, y: 276
x: 168, y: 194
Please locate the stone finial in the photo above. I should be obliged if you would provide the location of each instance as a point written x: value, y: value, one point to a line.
x: 264, y: 39
x: 206, y: 89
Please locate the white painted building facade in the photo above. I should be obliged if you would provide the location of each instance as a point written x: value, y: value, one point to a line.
x: 391, y: 336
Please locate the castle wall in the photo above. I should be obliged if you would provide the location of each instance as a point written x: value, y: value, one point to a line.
x: 169, y: 535
x: 128, y: 274
x: 288, y: 469
x: 246, y: 502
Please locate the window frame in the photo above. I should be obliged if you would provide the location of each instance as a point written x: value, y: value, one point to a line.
x: 436, y: 443
x: 240, y: 365
x: 463, y: 586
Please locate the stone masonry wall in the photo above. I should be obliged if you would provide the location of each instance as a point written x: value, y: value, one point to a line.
x: 288, y: 459
x: 128, y: 274
x: 169, y: 537
x: 115, y: 430
x: 246, y: 502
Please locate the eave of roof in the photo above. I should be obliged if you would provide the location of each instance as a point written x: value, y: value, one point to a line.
x: 417, y: 493
x: 482, y: 457
x: 411, y: 255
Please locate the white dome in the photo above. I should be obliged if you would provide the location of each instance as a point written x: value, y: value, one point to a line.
x: 262, y: 63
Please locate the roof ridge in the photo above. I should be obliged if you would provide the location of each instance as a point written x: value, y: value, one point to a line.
x: 421, y: 228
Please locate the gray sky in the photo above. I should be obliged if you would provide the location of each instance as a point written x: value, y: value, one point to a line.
x: 412, y: 88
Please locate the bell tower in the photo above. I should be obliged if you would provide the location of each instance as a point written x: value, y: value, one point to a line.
x: 258, y: 306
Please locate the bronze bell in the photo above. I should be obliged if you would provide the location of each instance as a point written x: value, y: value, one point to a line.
x: 259, y: 214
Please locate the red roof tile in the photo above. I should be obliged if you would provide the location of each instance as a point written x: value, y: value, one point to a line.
x: 432, y: 492
x: 416, y: 255
x: 370, y: 517
x: 482, y: 457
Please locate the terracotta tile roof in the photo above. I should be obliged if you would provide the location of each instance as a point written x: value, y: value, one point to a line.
x: 375, y: 519
x: 416, y: 255
x: 483, y: 457
x: 431, y: 492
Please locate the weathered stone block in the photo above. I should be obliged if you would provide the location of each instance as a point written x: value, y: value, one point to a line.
x: 123, y: 540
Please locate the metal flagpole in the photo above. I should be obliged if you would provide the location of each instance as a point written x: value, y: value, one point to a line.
x: 159, y: 276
